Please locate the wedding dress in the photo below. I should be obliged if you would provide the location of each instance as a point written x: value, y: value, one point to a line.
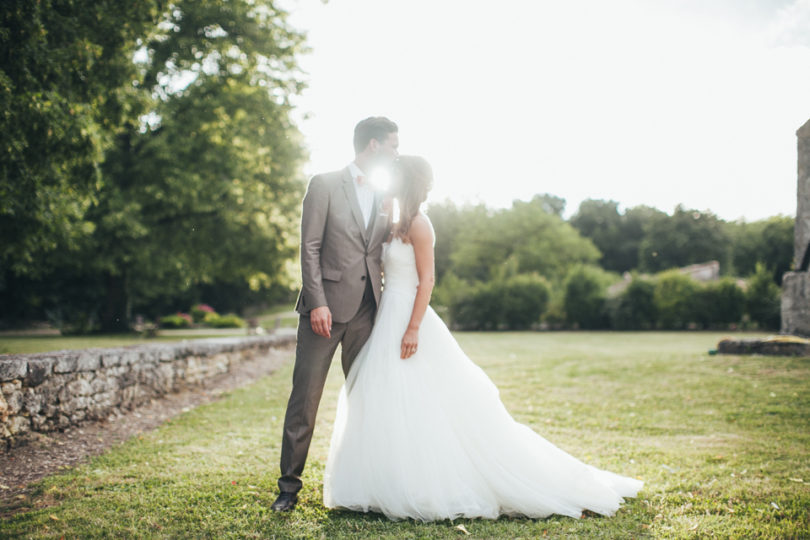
x: 428, y: 437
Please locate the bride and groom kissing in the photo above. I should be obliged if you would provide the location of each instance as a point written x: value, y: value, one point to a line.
x: 420, y: 431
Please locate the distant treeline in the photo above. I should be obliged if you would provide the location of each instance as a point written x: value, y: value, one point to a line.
x: 526, y: 266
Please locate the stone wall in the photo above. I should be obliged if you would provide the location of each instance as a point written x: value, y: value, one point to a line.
x: 802, y: 231
x: 796, y: 285
x: 51, y: 391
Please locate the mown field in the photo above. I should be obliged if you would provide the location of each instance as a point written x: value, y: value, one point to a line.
x: 722, y: 443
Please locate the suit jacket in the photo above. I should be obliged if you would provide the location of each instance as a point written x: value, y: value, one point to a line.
x: 338, y: 252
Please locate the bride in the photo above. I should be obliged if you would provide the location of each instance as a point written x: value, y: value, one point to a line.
x: 420, y: 430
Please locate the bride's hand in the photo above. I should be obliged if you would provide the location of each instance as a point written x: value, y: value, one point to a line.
x: 409, y: 342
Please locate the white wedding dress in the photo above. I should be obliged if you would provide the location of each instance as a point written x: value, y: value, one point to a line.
x: 428, y: 437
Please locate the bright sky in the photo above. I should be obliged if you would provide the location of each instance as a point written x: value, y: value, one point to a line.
x: 657, y: 103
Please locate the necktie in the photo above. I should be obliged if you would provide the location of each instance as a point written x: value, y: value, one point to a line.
x: 361, y: 180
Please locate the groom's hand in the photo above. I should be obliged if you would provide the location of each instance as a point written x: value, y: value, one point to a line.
x: 321, y: 320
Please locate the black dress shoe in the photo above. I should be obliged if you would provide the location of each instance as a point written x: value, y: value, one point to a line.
x: 285, y: 502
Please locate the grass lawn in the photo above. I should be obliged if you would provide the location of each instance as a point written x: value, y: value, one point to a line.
x: 722, y: 443
x: 33, y: 344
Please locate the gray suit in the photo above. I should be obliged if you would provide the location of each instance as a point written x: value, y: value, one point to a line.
x: 341, y: 269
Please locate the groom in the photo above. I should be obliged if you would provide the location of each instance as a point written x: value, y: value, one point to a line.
x: 342, y: 231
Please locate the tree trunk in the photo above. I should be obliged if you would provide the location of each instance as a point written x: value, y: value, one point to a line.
x: 115, y: 315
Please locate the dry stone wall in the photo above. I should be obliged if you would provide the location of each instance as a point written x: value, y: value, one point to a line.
x: 52, y: 391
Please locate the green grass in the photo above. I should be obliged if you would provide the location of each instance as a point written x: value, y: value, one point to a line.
x: 35, y: 344
x: 285, y: 312
x: 722, y: 443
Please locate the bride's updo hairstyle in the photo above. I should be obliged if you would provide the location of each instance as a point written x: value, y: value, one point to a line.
x: 413, y: 178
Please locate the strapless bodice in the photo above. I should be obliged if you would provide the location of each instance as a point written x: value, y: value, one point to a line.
x: 399, y: 266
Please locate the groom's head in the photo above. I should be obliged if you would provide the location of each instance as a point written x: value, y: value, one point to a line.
x: 376, y: 139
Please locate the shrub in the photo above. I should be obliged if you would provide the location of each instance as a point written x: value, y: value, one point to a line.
x: 515, y: 303
x: 634, y: 308
x: 585, y: 293
x: 763, y: 299
x: 525, y: 298
x: 178, y: 320
x: 199, y: 311
x: 676, y: 300
x: 224, y: 321
x: 719, y: 303
x: 479, y: 309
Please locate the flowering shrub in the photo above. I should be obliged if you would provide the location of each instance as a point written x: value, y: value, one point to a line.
x: 178, y: 320
x: 199, y: 312
x: 224, y: 321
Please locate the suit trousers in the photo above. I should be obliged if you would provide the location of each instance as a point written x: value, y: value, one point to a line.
x: 313, y: 356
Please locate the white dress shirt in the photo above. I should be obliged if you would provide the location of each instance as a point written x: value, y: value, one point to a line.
x: 365, y: 195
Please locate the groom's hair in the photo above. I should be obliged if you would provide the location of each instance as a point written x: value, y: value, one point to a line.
x: 373, y: 127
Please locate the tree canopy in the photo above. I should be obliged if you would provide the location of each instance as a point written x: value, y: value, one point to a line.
x: 176, y: 163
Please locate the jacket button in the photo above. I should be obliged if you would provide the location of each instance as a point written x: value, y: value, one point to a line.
x: 363, y: 278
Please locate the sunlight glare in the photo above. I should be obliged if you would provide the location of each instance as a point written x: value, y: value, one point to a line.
x: 380, y: 179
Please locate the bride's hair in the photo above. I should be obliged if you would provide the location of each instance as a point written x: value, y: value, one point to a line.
x: 413, y: 178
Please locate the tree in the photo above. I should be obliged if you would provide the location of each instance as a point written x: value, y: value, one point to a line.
x: 768, y: 241
x: 526, y: 236
x: 686, y: 237
x: 675, y: 300
x: 210, y: 190
x: 634, y: 308
x: 585, y: 296
x: 65, y: 73
x: 197, y: 181
x: 762, y: 299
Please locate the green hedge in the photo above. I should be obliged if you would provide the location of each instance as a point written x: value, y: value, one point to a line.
x: 513, y: 304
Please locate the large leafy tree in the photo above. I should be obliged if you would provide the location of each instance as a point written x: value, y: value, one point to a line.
x: 64, y: 76
x: 206, y: 189
x: 768, y: 241
x: 686, y: 237
x: 198, y: 184
x: 526, y: 238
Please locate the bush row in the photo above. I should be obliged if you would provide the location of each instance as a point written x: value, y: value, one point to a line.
x: 667, y: 301
x: 201, y: 314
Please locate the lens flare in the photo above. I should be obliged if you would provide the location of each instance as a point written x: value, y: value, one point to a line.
x: 380, y: 179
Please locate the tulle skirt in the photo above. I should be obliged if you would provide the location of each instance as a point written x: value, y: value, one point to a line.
x: 428, y: 438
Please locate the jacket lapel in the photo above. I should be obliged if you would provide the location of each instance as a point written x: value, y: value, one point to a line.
x: 354, y: 204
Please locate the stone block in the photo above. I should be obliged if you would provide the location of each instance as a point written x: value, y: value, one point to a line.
x: 14, y: 402
x: 66, y: 363
x: 103, y: 383
x: 32, y: 401
x: 79, y: 387
x: 796, y: 303
x: 10, y: 387
x: 18, y: 425
x: 112, y: 357
x: 12, y: 368
x: 4, y: 412
x: 39, y: 422
x: 39, y: 369
x: 166, y: 354
x: 130, y: 357
x: 89, y: 360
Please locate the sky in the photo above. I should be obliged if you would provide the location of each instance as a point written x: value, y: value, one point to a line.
x: 664, y: 102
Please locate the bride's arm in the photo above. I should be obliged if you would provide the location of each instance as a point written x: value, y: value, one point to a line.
x: 421, y: 237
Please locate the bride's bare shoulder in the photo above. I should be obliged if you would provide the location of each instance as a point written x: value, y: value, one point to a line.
x: 421, y: 230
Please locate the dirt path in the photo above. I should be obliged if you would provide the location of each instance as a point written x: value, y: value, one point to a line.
x: 21, y: 466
